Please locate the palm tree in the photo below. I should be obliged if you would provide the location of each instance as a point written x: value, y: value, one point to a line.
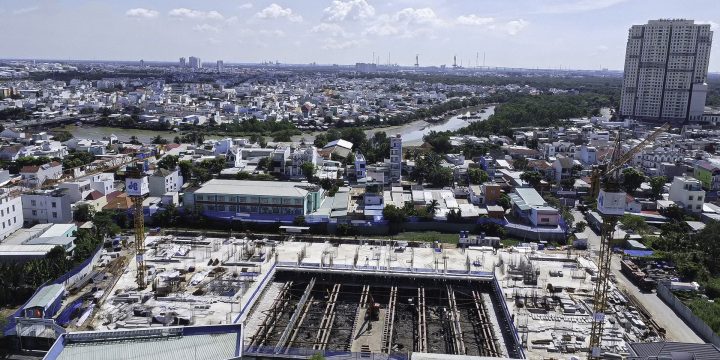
x: 432, y: 207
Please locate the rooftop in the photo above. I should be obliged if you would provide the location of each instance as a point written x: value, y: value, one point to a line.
x: 216, y: 342
x: 257, y: 188
x: 45, y: 296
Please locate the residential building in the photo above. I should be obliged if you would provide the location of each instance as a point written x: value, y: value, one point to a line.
x: 220, y: 66
x: 563, y: 166
x: 47, y: 206
x: 587, y: 155
x: 11, y: 214
x: 163, y: 181
x: 248, y: 200
x: 687, y: 193
x: 396, y: 158
x: 708, y: 173
x: 195, y: 62
x: 182, y: 62
x: 529, y: 205
x: 666, y: 65
x: 299, y: 157
x: 360, y: 166
x: 34, y: 176
x: 37, y: 241
x: 104, y: 183
x: 77, y: 190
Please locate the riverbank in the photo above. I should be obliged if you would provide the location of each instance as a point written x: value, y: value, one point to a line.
x: 412, y: 133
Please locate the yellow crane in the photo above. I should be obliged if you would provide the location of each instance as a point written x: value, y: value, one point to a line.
x: 137, y: 187
x: 605, y: 188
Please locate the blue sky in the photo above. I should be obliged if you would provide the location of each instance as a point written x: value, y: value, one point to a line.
x: 579, y: 34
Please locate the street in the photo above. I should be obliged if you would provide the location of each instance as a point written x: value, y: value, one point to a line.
x: 676, y: 329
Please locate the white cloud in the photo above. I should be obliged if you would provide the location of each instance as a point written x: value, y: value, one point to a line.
x: 329, y: 29
x: 245, y: 6
x: 713, y: 25
x: 334, y: 44
x: 195, y: 14
x: 275, y: 11
x: 25, y: 10
x: 513, y: 27
x: 272, y: 33
x: 142, y: 13
x: 408, y: 22
x: 578, y: 6
x: 354, y: 9
x: 473, y: 19
x: 206, y: 28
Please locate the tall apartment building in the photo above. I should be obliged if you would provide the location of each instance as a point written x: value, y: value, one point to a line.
x: 666, y: 66
x: 182, y: 62
x: 195, y: 62
x: 220, y: 66
x: 395, y: 158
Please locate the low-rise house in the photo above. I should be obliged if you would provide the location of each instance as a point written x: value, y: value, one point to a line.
x: 34, y: 176
x: 687, y: 193
x: 528, y: 204
x: 163, y: 181
x: 47, y: 206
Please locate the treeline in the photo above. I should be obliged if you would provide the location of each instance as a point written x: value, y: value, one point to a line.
x: 607, y: 85
x: 18, y: 281
x: 537, y: 111
x: 14, y: 114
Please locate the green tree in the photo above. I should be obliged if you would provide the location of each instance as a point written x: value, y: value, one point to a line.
x: 580, y: 226
x: 432, y: 207
x: 631, y: 179
x: 708, y: 240
x: 308, y: 169
x: 504, y: 201
x: 454, y: 216
x: 186, y: 169
x: 159, y: 140
x: 440, y: 141
x: 169, y: 162
x: 105, y: 225
x: 520, y: 163
x: 83, y: 213
x: 394, y: 214
x: 634, y: 223
x: 477, y: 175
x: 531, y: 177
x: 656, y: 185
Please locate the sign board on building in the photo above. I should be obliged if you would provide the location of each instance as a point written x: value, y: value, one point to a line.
x: 137, y: 187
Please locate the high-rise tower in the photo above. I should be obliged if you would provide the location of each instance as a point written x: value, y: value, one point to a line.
x: 666, y: 66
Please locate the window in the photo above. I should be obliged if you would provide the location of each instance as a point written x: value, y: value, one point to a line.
x: 34, y: 212
x: 54, y: 215
x: 700, y: 198
x: 33, y: 203
x: 13, y: 207
x: 54, y: 204
x: 698, y: 207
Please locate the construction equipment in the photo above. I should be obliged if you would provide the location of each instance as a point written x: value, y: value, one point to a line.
x: 137, y: 187
x: 610, y: 205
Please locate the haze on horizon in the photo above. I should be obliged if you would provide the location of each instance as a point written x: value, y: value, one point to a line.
x: 577, y: 34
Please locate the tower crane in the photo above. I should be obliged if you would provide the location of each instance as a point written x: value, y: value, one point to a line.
x: 611, y: 205
x: 137, y: 187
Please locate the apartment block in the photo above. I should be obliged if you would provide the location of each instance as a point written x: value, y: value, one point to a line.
x: 666, y: 66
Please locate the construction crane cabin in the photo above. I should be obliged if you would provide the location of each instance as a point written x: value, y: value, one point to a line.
x: 137, y: 187
x: 606, y: 189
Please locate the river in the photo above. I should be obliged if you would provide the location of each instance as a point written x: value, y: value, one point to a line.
x: 412, y: 133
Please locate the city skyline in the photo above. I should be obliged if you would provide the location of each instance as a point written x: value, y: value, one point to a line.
x: 549, y: 34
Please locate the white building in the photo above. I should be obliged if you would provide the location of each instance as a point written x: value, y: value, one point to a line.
x: 360, y: 166
x: 104, y: 183
x: 396, y: 158
x: 666, y: 65
x: 195, y: 62
x: 300, y: 157
x: 163, y: 181
x: 11, y: 214
x: 47, y: 206
x: 34, y: 176
x: 687, y: 193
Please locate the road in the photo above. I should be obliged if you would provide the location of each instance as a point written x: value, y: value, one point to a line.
x: 676, y: 329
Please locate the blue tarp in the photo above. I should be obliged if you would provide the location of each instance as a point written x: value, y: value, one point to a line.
x: 638, y: 253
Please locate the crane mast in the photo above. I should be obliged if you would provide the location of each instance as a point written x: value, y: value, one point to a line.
x: 137, y: 187
x: 611, y: 205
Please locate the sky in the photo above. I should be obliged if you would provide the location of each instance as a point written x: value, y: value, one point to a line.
x: 576, y: 34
